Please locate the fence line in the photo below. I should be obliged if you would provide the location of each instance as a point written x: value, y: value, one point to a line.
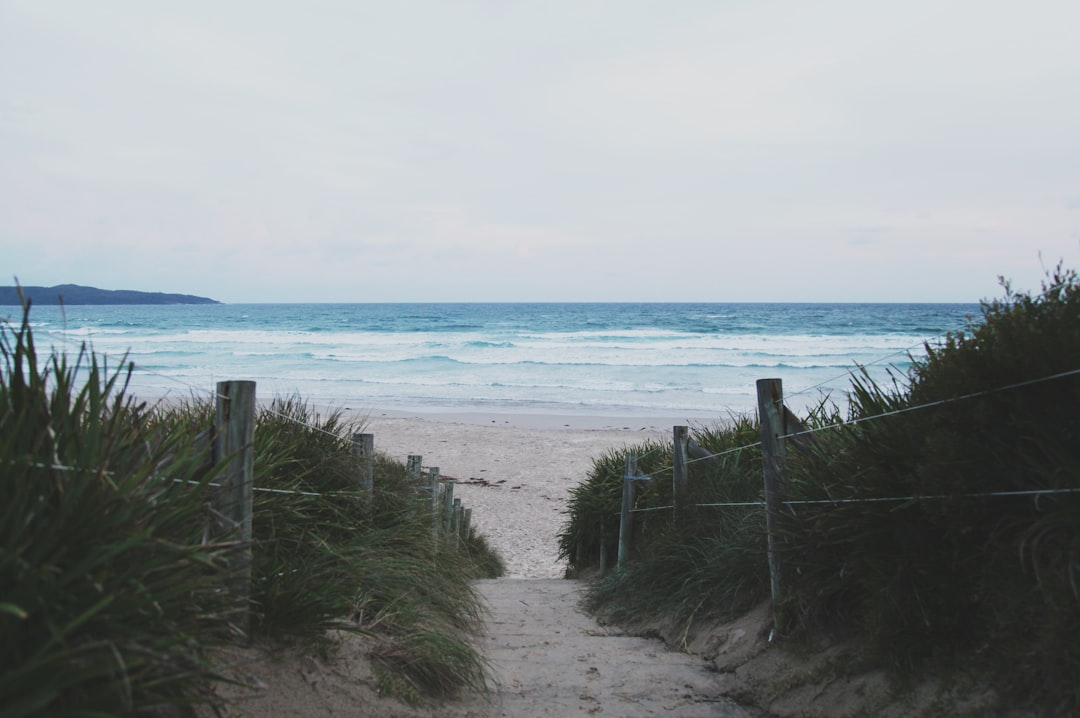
x: 652, y: 474
x: 216, y: 484
x: 874, y: 500
x: 778, y: 424
x: 860, y: 420
x: 939, y: 402
x: 772, y: 414
x: 710, y: 457
x: 232, y: 444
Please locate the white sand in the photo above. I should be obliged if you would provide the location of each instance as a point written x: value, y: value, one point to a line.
x: 530, y: 461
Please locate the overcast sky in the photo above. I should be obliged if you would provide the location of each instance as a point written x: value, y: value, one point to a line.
x: 256, y: 150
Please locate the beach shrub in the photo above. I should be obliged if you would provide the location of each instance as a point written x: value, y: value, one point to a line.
x: 975, y: 567
x: 109, y: 597
x: 112, y: 583
x: 707, y: 562
x: 326, y: 556
x: 935, y: 521
x: 591, y: 532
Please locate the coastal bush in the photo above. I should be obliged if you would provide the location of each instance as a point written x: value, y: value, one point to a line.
x: 591, y: 534
x: 708, y: 563
x: 111, y: 584
x: 981, y: 566
x: 334, y: 555
x: 943, y: 529
x: 323, y: 552
x: 109, y: 598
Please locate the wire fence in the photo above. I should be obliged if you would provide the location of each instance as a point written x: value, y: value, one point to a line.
x: 228, y: 450
x: 776, y: 423
x: 876, y: 417
x: 212, y: 394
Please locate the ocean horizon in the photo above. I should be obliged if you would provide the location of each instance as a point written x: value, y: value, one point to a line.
x: 646, y: 359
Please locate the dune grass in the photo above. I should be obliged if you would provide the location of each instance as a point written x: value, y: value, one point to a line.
x: 109, y: 598
x: 967, y: 575
x: 680, y: 568
x: 112, y: 582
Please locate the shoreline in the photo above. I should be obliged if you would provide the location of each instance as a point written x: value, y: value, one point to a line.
x: 542, y: 421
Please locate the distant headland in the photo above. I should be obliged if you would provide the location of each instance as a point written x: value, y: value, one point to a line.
x: 72, y: 294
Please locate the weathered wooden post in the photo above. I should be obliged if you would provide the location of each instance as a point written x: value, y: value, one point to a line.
x: 771, y: 416
x: 466, y: 524
x: 455, y: 522
x: 625, y: 519
x: 680, y: 480
x: 234, y: 438
x: 414, y: 468
x: 364, y: 450
x: 448, y: 505
x: 433, y: 486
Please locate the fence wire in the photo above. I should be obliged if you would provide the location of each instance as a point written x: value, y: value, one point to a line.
x: 653, y: 474
x: 893, y: 499
x: 930, y: 404
x: 872, y: 500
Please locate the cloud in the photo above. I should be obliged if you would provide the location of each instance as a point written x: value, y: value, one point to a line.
x: 566, y: 150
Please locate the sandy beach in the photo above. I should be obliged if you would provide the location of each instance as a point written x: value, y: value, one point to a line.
x: 513, y: 470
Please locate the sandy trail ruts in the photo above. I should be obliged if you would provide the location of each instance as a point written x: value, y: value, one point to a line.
x: 550, y: 659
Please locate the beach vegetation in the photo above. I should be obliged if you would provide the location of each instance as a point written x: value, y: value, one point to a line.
x: 109, y: 596
x: 942, y: 532
x: 113, y: 579
x: 681, y: 568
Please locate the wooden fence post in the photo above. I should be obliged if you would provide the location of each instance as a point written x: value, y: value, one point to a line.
x: 625, y: 519
x: 448, y: 505
x: 455, y: 521
x: 414, y: 468
x: 234, y: 436
x: 364, y: 451
x: 433, y: 486
x: 466, y: 524
x: 771, y: 416
x: 680, y: 479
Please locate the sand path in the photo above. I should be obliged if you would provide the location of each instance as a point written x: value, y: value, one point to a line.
x: 547, y: 657
x: 516, y: 477
x: 550, y: 659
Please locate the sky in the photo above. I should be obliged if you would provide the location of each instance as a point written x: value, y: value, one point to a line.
x: 558, y: 150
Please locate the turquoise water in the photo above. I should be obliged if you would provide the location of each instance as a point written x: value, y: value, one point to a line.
x: 693, y: 360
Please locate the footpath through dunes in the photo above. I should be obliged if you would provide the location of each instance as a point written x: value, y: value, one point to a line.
x: 550, y: 659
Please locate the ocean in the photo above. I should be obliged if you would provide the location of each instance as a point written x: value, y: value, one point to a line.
x: 695, y: 361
